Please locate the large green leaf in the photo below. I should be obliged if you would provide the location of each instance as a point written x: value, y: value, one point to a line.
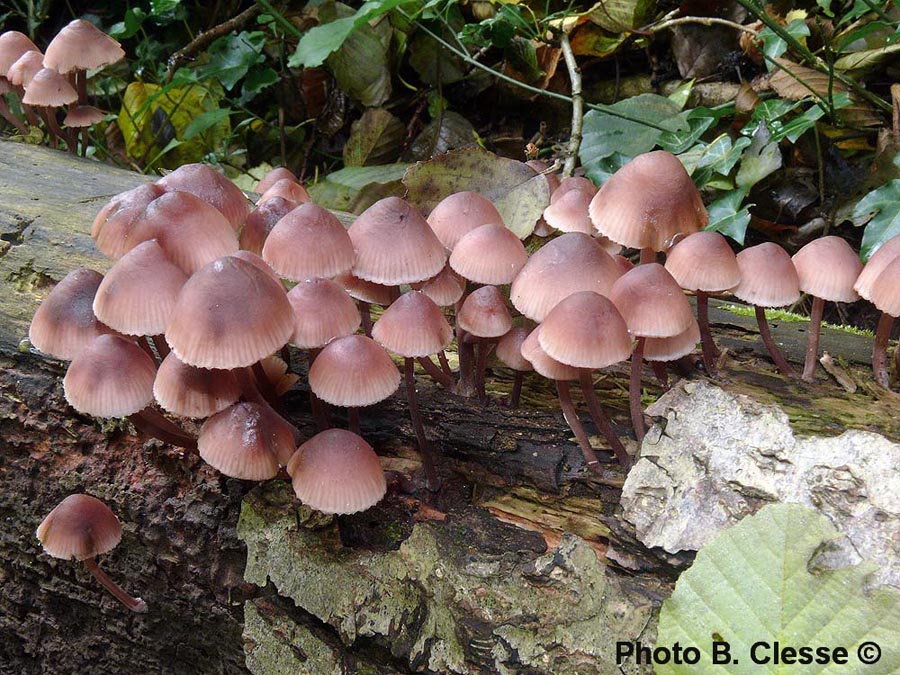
x: 355, y: 188
x: 761, y: 581
x: 375, y: 138
x: 361, y: 66
x: 447, y: 131
x: 231, y: 56
x: 519, y: 194
x: 728, y: 217
x: 881, y: 208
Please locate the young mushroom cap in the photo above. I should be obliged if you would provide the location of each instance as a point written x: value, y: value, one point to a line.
x: 484, y: 314
x: 65, y: 322
x: 261, y: 221
x: 543, y: 363
x: 394, y: 244
x: 138, y: 294
x: 212, y: 187
x: 827, y: 268
x: 445, y: 288
x: 585, y: 330
x: 24, y: 68
x: 647, y: 202
x: 703, y: 261
x: 672, y: 348
x: 885, y: 290
x: 49, y: 89
x: 875, y: 265
x: 768, y: 276
x: 247, y: 441
x: 80, y: 527
x: 365, y: 291
x: 323, y: 311
x: 651, y: 302
x: 309, y: 242
x: 113, y: 223
x: 353, y: 371
x: 570, y: 263
x: 458, y: 214
x: 80, y: 45
x: 229, y: 314
x: 489, y: 254
x: 275, y: 175
x: 413, y: 326
x: 111, y: 377
x: 286, y: 188
x: 509, y: 349
x: 568, y: 209
x: 337, y: 472
x: 83, y: 116
x: 13, y: 45
x: 194, y: 392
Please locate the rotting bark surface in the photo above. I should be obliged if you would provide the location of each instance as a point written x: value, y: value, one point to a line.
x: 180, y: 552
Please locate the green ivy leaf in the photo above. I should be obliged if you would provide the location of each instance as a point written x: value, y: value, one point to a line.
x: 231, y: 56
x: 761, y: 158
x: 759, y: 582
x: 728, y: 217
x: 774, y: 46
x: 881, y: 209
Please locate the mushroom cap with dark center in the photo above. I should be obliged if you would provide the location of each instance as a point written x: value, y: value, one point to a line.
x: 445, y: 288
x: 413, y: 326
x: 189, y: 230
x: 570, y: 263
x: 247, y: 441
x: 509, y: 349
x: 323, y: 311
x: 651, y: 302
x: 309, y: 242
x: 672, y: 348
x: 212, y: 187
x: 80, y: 45
x: 111, y: 377
x: 394, y: 244
x: 65, y: 322
x: 768, y: 276
x: 24, y: 68
x: 484, y: 314
x: 585, y: 330
x: 875, y: 265
x: 543, y: 363
x: 703, y: 261
x: 229, y: 314
x: 49, y: 89
x: 459, y: 213
x: 353, y: 371
x: 13, y: 45
x: 193, y: 392
x: 138, y: 294
x: 80, y: 527
x: 647, y: 202
x: 489, y: 254
x: 827, y: 268
x: 275, y: 175
x: 261, y: 221
x: 114, y: 221
x: 337, y: 472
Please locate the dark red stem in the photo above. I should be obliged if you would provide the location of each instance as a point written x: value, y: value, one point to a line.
x: 12, y: 119
x: 634, y: 391
x: 152, y: 423
x: 435, y: 373
x: 879, y: 351
x: 516, y: 392
x: 812, y: 341
x: 648, y: 255
x: 319, y: 408
x: 353, y: 421
x: 766, y: 335
x: 601, y: 419
x: 710, y: 352
x: 661, y: 372
x: 365, y: 311
x: 415, y: 416
x: 571, y: 417
x: 134, y: 604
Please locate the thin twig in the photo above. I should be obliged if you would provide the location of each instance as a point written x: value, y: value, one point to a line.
x: 577, y: 105
x: 205, y: 38
x: 666, y: 23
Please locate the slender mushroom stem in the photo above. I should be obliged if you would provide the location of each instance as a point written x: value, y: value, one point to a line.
x: 264, y: 385
x: 879, y: 351
x: 766, y: 335
x: 248, y: 383
x: 601, y: 419
x: 465, y: 385
x: 415, y: 416
x: 445, y: 365
x: 353, y: 420
x: 152, y: 423
x: 710, y: 351
x: 134, y: 604
x: 12, y: 119
x: 435, y: 373
x: 319, y: 408
x: 484, y: 350
x: 516, y: 392
x: 812, y: 341
x: 365, y: 311
x: 162, y: 347
x: 661, y: 371
x: 648, y: 255
x: 571, y: 417
x: 634, y: 390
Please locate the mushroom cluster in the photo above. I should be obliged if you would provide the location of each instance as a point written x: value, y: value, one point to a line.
x: 56, y: 78
x: 195, y: 318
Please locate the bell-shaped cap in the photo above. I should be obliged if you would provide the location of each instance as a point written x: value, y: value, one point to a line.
x: 885, y: 291
x: 337, y: 472
x: 413, y: 326
x: 309, y: 242
x: 570, y: 263
x: 194, y: 392
x: 651, y: 302
x: 24, y: 68
x: 768, y: 276
x: 647, y: 202
x: 49, y: 89
x: 113, y: 223
x: 509, y: 349
x: 365, y: 291
x: 80, y: 527
x: 80, y: 45
x: 459, y: 213
x: 138, y: 294
x: 247, y: 441
x: 81, y: 116
x: 111, y: 377
x: 445, y: 288
x: 489, y: 254
x: 288, y: 189
x: 261, y: 221
x: 703, y: 261
x: 394, y: 244
x: 568, y: 209
x: 672, y: 348
x: 543, y: 363
x: 212, y: 187
x: 353, y: 371
x: 323, y: 311
x: 827, y: 268
x: 12, y: 45
x: 484, y: 314
x: 875, y: 265
x: 585, y: 330
x: 275, y: 175
x: 65, y: 322
x: 230, y: 314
